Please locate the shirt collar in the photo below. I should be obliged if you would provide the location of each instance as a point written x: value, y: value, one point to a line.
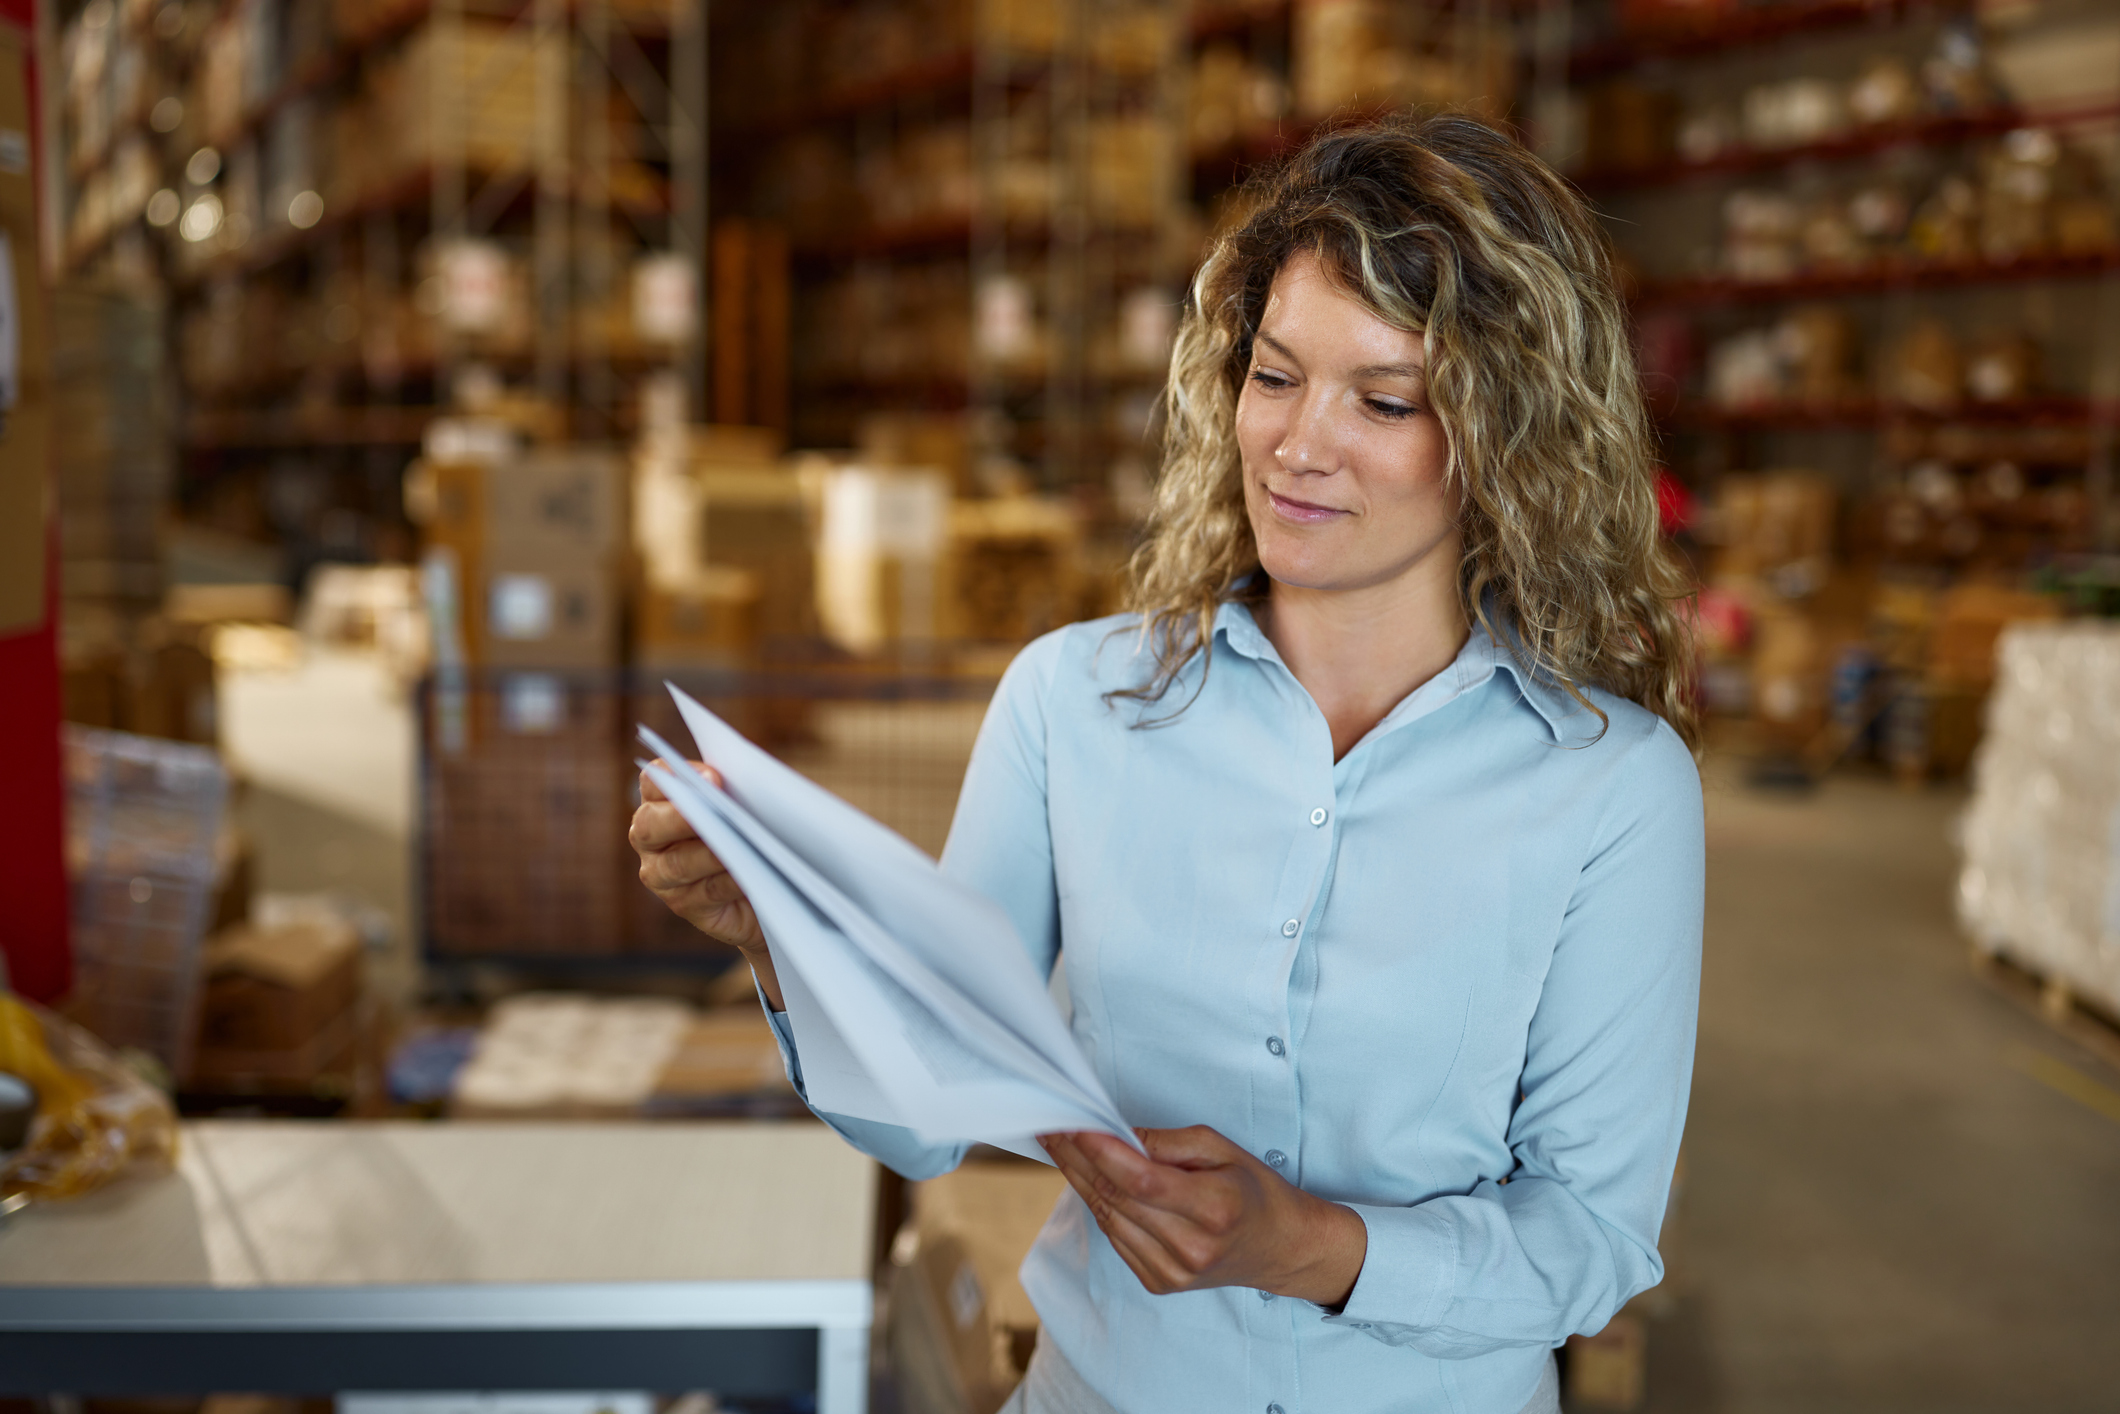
x: 1474, y: 666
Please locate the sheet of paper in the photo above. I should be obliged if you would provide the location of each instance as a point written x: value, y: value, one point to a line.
x: 910, y: 997
x: 950, y: 927
x: 955, y: 1075
x: 927, y: 992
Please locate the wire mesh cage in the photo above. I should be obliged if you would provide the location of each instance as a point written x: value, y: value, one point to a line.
x: 528, y: 783
x: 142, y: 815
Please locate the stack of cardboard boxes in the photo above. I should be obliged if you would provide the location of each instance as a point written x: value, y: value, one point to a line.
x: 279, y: 1006
x: 526, y: 796
x: 1835, y: 653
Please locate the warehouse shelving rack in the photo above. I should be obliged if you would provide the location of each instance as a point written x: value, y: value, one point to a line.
x: 2079, y: 429
x: 1045, y: 419
x: 365, y: 404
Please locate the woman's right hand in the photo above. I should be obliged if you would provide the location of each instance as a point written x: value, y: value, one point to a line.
x: 679, y: 869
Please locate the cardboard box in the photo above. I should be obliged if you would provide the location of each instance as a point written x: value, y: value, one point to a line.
x: 176, y: 696
x: 277, y: 1004
x: 1970, y: 621
x: 1609, y: 1370
x: 725, y: 1054
x: 961, y: 1328
x: 756, y: 519
x: 1015, y: 569
x: 1775, y: 522
x: 709, y: 623
x: 538, y: 614
x: 534, y: 542
x: 555, y: 503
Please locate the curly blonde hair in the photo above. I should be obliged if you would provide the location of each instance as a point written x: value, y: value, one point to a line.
x: 1445, y: 228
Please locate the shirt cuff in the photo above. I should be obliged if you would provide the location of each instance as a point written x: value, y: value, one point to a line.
x: 784, y: 1035
x: 1409, y: 1274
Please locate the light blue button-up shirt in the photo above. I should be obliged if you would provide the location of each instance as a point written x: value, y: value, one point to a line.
x: 1449, y: 980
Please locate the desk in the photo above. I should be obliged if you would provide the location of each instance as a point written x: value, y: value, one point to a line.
x: 294, y: 1257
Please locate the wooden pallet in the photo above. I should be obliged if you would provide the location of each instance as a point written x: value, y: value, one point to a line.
x: 2088, y: 1024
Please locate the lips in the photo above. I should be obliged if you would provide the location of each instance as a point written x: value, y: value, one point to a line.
x: 1302, y: 512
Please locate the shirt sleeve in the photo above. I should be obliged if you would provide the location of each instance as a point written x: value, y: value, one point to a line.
x: 1562, y: 1244
x: 1000, y: 844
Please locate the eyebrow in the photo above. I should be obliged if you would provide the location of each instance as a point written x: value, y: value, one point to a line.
x: 1367, y: 370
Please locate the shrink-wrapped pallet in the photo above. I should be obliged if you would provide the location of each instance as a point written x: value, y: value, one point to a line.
x: 2041, y: 877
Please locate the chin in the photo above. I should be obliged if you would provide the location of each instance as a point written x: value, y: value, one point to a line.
x: 1307, y: 567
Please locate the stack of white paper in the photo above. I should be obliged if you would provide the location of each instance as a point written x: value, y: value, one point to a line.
x: 910, y: 996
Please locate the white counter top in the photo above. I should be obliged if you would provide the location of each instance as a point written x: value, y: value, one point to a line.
x: 433, y: 1227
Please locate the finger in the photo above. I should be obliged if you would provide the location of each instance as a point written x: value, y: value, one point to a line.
x: 735, y: 927
x: 1128, y: 1167
x: 1188, y: 1218
x: 1153, y: 1260
x: 1193, y: 1147
x: 1068, y: 1160
x: 651, y: 791
x: 688, y: 864
x: 658, y: 827
x: 1151, y: 1263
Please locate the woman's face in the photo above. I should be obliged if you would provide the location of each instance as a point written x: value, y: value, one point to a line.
x: 1343, y: 460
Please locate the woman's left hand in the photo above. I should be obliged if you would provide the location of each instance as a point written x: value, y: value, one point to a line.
x: 1199, y: 1212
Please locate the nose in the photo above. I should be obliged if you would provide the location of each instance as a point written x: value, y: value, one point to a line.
x: 1308, y: 446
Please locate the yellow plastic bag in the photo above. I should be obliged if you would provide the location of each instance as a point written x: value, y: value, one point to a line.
x: 95, y: 1119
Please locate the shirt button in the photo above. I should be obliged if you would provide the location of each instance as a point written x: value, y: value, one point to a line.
x: 1292, y: 927
x: 1266, y: 1296
x: 1273, y: 1044
x: 1276, y: 1157
x: 1320, y: 815
x: 1274, y: 1409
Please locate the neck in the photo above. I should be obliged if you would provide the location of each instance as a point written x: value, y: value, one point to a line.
x: 1359, y: 652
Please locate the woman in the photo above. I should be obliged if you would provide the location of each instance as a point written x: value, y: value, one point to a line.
x: 1371, y: 843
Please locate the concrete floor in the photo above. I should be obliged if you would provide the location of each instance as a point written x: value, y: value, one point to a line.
x: 1889, y: 1204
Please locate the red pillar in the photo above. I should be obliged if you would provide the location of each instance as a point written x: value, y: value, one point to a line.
x: 33, y: 911
x: 33, y: 902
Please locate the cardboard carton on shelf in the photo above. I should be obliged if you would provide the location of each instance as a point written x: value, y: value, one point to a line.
x: 1016, y: 568
x: 556, y: 501
x: 531, y: 543
x: 1779, y: 524
x: 547, y: 612
x: 709, y: 622
x: 714, y: 502
x: 939, y: 440
x: 884, y: 531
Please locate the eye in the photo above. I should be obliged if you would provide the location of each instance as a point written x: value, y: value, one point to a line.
x: 1267, y: 378
x: 1393, y: 410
